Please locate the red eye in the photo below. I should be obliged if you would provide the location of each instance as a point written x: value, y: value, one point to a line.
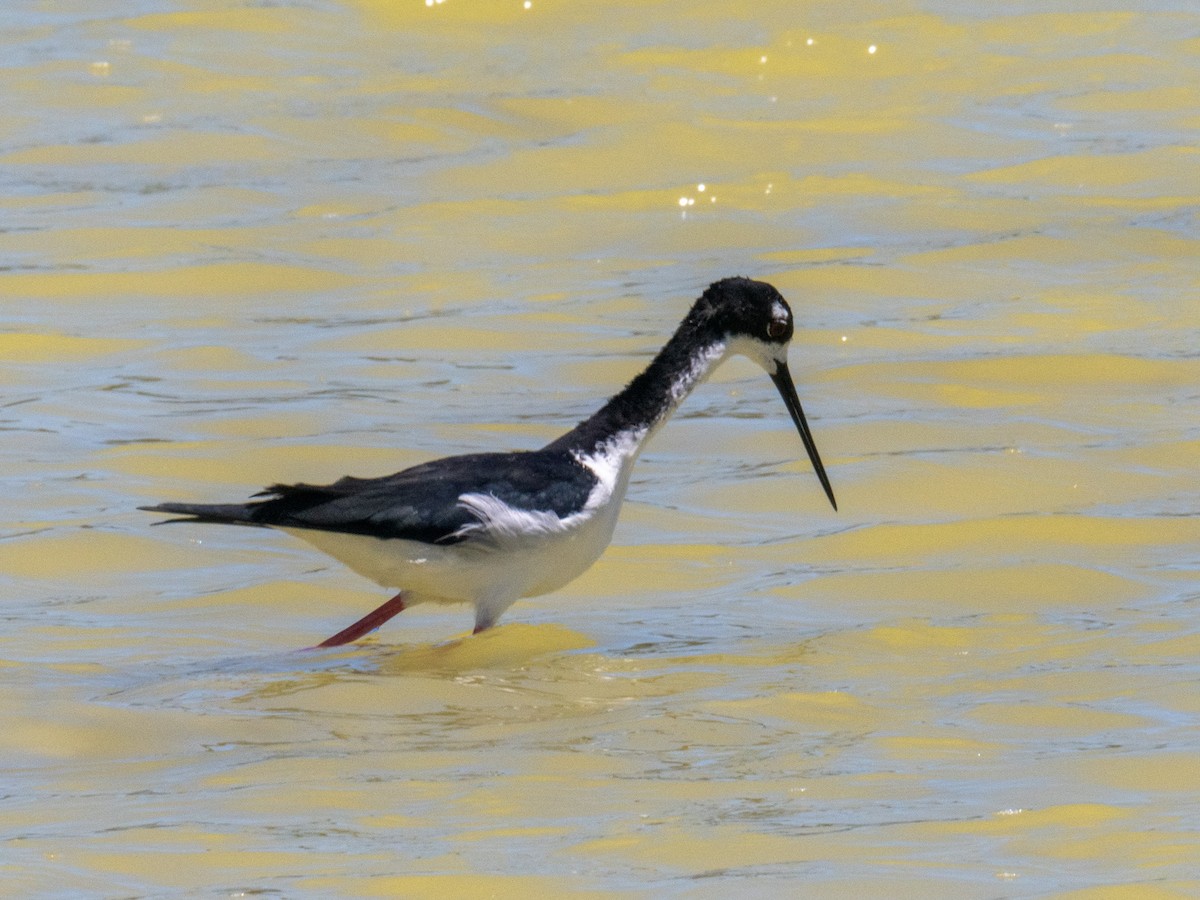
x: 776, y: 329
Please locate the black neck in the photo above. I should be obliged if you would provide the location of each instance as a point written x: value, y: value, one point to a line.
x: 648, y: 400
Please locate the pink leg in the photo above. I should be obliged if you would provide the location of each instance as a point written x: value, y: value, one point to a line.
x: 367, y: 623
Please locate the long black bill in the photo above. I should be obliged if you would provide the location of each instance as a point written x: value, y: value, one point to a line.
x: 783, y: 380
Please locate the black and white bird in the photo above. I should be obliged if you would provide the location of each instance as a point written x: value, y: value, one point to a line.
x: 491, y: 528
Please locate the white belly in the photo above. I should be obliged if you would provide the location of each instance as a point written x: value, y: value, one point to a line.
x: 494, y: 564
x: 506, y: 554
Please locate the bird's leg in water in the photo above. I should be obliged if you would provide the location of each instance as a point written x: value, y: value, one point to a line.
x: 367, y: 623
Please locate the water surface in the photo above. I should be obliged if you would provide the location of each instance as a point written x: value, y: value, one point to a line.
x: 246, y: 243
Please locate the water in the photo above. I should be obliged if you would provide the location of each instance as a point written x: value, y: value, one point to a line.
x: 245, y: 243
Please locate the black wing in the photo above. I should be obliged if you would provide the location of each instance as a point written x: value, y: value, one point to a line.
x: 418, y: 504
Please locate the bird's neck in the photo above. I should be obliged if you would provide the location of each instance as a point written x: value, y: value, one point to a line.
x: 626, y: 422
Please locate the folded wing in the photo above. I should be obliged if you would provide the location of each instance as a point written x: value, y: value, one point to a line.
x: 417, y: 504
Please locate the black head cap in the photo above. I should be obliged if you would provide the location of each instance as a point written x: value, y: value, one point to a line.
x: 741, y: 307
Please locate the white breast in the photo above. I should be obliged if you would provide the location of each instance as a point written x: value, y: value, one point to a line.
x: 506, y: 554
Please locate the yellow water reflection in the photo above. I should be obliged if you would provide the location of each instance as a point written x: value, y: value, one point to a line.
x: 242, y: 244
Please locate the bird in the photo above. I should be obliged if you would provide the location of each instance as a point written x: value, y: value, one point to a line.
x: 488, y: 529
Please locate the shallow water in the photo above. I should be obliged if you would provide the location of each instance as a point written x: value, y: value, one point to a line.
x: 251, y: 243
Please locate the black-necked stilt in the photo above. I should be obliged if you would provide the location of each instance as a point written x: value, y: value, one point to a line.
x: 490, y: 528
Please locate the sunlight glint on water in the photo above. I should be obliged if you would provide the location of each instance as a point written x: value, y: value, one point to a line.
x: 242, y: 244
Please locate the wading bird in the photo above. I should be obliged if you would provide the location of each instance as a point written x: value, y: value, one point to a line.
x: 490, y: 528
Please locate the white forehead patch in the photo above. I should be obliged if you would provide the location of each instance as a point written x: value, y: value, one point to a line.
x: 779, y: 312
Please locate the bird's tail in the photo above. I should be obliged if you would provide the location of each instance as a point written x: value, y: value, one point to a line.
x: 225, y: 513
